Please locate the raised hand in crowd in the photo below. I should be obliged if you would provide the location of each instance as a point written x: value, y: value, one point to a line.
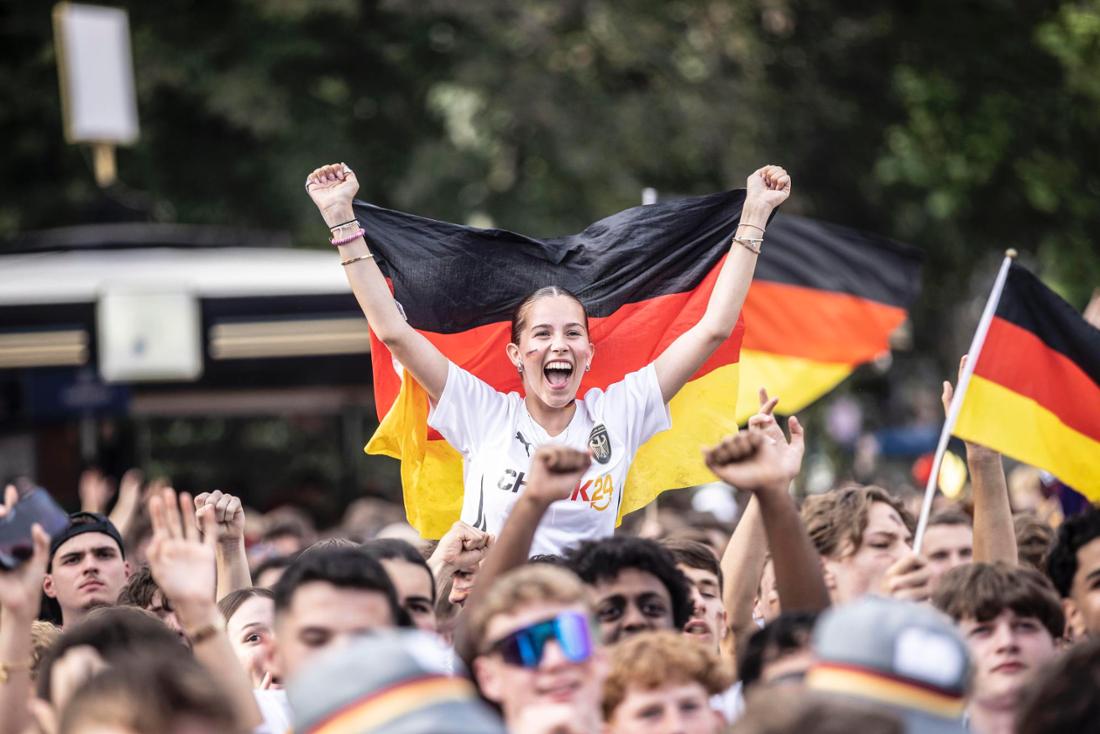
x: 95, y: 491
x: 130, y: 497
x: 752, y: 461
x: 232, y: 557
x: 20, y: 598
x: 792, y: 449
x: 746, y: 552
x: 228, y: 514
x: 457, y: 556
x: 332, y: 189
x: 463, y: 546
x: 909, y: 578
x: 182, y: 561
x: 757, y: 463
x: 770, y: 186
x: 994, y: 531
x: 555, y: 473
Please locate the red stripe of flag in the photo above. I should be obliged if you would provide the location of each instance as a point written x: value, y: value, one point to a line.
x: 824, y: 326
x: 1018, y: 360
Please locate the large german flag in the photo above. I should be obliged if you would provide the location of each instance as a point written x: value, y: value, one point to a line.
x: 645, y: 275
x: 1035, y: 391
x: 825, y: 299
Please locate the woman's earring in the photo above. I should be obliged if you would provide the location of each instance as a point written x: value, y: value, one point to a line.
x: 519, y: 368
x: 588, y: 368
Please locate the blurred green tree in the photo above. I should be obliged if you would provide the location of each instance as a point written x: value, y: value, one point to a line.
x: 962, y: 128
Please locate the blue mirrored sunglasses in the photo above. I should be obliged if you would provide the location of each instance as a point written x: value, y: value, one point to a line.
x: 525, y: 646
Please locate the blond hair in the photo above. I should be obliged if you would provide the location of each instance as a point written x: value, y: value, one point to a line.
x: 656, y: 659
x: 536, y: 583
x: 43, y: 635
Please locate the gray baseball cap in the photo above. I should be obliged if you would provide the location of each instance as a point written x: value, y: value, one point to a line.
x: 904, y: 656
x: 387, y: 682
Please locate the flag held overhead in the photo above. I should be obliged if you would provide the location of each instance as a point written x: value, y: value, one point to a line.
x: 645, y: 276
x: 825, y: 299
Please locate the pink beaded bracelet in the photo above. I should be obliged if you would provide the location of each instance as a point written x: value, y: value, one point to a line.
x: 350, y: 238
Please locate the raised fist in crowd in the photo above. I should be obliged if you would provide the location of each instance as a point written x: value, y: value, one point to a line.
x: 555, y: 472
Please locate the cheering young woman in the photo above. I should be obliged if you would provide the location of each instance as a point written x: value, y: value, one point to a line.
x: 497, y: 433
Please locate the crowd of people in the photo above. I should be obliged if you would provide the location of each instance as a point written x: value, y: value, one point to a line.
x: 183, y: 614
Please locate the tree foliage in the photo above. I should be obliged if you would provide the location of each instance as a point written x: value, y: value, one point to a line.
x: 963, y: 128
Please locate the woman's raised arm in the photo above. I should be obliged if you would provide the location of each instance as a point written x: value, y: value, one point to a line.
x: 766, y: 189
x: 332, y: 188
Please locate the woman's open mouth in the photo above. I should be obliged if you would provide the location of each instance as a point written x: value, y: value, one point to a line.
x: 557, y: 373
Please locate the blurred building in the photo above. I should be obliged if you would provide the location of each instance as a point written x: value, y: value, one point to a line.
x: 210, y: 354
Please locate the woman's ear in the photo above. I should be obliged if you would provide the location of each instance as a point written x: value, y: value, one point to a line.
x: 514, y: 356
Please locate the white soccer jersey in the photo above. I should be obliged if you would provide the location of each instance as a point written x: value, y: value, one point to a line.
x: 497, y: 437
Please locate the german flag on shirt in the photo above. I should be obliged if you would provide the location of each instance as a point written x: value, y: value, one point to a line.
x: 1035, y: 391
x: 645, y: 275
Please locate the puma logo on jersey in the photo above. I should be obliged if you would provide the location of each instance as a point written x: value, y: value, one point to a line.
x: 526, y: 444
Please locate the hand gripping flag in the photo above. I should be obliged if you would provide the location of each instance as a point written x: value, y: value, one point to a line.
x: 1034, y: 393
x: 645, y: 275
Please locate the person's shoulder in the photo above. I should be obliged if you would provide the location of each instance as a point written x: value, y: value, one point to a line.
x: 472, y: 382
x: 636, y: 380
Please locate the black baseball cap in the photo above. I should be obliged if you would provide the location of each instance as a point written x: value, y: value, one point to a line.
x: 86, y: 522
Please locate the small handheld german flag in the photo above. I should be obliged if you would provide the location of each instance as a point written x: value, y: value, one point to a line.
x: 826, y: 299
x: 1034, y: 393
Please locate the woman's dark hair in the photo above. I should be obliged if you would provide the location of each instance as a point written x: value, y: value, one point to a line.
x: 231, y: 602
x: 604, y: 560
x: 519, y: 316
x: 385, y: 549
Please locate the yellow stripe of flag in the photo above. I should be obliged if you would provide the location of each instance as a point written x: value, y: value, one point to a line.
x: 797, y: 381
x: 1017, y: 426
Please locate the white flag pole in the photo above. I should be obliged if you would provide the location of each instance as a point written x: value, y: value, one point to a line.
x: 960, y: 393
